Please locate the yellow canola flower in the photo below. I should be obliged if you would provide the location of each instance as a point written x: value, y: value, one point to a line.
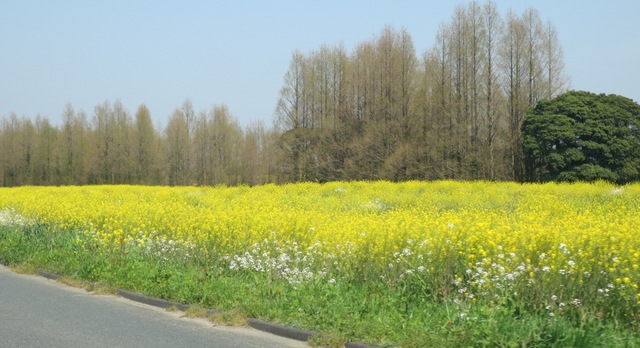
x: 480, y: 233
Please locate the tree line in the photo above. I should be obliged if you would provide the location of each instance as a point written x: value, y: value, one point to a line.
x: 114, y: 147
x: 453, y: 113
x: 377, y: 112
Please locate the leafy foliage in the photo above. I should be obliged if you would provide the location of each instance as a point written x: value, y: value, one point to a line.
x: 582, y: 136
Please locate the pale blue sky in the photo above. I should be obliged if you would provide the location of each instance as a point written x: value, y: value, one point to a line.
x: 237, y: 52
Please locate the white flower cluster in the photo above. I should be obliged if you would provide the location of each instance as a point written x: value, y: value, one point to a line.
x: 162, y: 247
x: 10, y: 218
x: 496, y: 276
x: 606, y: 290
x: 375, y: 206
x: 408, y: 262
x: 555, y: 306
x: 290, y: 262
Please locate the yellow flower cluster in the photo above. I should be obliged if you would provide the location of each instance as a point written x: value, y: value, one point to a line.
x: 486, y: 238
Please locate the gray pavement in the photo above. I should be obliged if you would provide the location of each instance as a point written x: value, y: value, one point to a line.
x: 38, y: 312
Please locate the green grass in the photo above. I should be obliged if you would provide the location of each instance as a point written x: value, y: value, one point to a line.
x: 364, y: 310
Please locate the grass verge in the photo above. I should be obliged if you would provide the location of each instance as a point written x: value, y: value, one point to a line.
x: 357, y: 310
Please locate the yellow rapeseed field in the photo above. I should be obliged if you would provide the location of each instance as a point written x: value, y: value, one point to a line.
x: 559, y: 247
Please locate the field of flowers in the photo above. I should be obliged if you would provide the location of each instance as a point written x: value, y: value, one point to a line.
x: 482, y: 250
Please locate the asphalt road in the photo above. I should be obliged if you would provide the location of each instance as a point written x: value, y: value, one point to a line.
x: 38, y: 312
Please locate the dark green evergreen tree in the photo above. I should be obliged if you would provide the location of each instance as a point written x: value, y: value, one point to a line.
x: 582, y: 136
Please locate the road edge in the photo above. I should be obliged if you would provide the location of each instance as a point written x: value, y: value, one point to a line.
x: 257, y: 324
